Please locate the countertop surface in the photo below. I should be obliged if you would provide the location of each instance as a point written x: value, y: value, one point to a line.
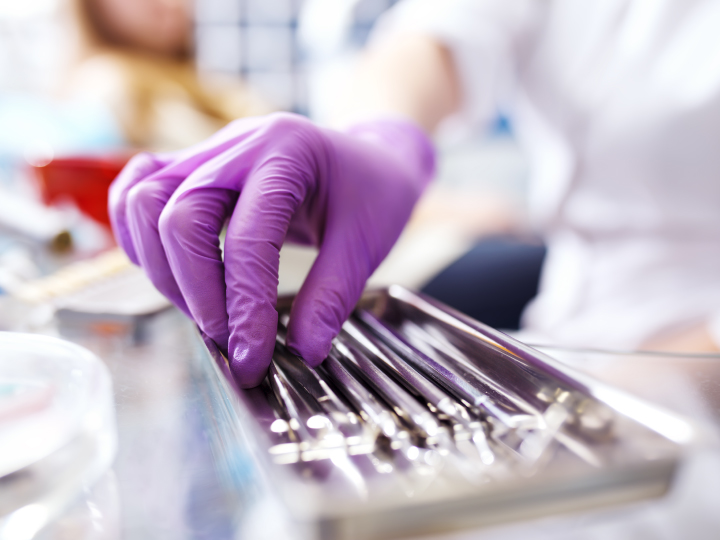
x: 169, y: 480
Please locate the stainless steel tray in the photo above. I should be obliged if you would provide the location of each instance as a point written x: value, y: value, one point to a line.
x: 367, y: 446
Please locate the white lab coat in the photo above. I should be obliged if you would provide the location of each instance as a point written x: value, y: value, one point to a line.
x: 617, y: 103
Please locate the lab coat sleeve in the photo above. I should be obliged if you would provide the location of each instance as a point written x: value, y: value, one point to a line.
x: 485, y: 37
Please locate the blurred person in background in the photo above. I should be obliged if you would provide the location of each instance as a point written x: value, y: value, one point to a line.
x: 136, y: 57
x: 617, y: 104
x: 83, y: 83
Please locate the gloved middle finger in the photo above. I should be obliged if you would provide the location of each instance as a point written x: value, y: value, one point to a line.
x: 190, y: 227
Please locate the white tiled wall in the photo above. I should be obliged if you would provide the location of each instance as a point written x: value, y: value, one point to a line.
x: 258, y: 39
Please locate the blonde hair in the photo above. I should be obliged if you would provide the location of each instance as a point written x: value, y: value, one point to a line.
x: 157, y: 88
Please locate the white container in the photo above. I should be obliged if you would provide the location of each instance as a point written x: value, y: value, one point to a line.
x: 57, y: 429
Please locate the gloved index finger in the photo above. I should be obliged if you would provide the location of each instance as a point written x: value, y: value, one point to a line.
x: 255, y: 234
x: 189, y: 229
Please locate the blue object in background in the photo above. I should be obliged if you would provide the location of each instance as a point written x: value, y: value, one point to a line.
x: 65, y: 126
x: 34, y: 128
x: 493, y: 282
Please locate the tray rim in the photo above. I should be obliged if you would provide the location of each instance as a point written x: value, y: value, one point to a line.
x: 307, y: 504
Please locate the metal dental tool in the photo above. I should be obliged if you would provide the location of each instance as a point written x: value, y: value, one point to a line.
x: 433, y: 344
x: 406, y: 375
x: 371, y: 410
x: 322, y: 443
x: 300, y: 374
x: 450, y: 378
x: 464, y: 427
x: 403, y: 404
x: 432, y: 325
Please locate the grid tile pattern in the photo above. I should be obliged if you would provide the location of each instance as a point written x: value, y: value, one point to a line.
x: 258, y: 40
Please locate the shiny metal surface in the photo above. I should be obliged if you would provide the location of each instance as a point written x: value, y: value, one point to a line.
x: 185, y: 470
x: 557, y: 440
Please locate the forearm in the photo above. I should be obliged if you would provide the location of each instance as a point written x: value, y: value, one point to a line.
x: 412, y: 76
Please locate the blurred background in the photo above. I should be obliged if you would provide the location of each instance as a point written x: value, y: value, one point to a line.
x: 84, y: 84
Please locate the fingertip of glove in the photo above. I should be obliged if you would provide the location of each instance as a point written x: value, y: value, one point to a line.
x: 246, y: 382
x: 247, y: 374
x: 251, y: 351
x: 313, y: 350
x: 311, y: 331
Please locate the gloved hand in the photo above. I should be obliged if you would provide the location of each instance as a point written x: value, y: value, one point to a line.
x: 271, y: 179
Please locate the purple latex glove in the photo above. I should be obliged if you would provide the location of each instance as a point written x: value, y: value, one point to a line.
x: 271, y: 179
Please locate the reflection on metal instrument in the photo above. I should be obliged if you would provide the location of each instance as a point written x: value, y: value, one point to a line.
x: 422, y: 416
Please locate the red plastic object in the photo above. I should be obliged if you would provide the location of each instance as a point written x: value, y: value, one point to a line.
x: 84, y: 180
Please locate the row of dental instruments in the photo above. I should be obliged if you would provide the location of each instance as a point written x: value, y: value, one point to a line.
x: 410, y: 396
